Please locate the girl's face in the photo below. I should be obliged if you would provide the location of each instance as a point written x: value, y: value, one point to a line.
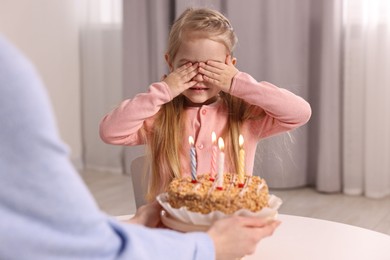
x: 199, y: 49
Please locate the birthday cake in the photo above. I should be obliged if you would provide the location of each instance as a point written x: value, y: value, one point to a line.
x: 205, y: 196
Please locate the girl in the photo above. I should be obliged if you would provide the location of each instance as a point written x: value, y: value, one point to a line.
x: 203, y: 93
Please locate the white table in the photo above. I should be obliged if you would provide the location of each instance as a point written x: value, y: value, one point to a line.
x: 315, y: 239
x: 301, y: 238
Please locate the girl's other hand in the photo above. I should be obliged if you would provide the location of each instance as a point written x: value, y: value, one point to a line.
x: 182, y: 78
x: 218, y: 73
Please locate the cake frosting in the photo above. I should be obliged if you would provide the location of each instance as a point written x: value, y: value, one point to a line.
x: 204, y: 196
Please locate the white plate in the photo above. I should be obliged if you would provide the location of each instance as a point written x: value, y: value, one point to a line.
x: 177, y: 225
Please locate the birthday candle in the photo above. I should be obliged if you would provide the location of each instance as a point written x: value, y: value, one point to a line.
x: 213, y: 156
x: 193, y: 158
x: 241, y: 162
x: 221, y: 163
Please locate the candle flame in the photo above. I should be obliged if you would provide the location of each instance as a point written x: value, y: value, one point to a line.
x: 191, y: 140
x: 213, y: 137
x: 241, y: 140
x: 221, y: 144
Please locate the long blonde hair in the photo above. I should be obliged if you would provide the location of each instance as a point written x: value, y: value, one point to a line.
x: 165, y: 139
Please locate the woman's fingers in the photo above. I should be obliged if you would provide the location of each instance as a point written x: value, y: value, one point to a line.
x: 256, y: 222
x: 238, y: 236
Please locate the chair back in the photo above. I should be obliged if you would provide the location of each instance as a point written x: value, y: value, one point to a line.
x: 140, y: 172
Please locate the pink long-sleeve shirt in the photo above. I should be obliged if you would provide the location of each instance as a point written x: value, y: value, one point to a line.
x: 284, y: 111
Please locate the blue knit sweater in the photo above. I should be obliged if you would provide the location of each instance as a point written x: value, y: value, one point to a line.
x: 46, y: 212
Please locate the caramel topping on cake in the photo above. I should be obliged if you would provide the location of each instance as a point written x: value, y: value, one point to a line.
x: 204, y: 197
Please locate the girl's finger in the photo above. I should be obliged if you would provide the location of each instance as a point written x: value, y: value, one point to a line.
x: 211, y: 80
x: 208, y: 73
x: 184, y: 67
x: 191, y: 69
x: 205, y: 67
x: 216, y: 64
x: 188, y: 76
x: 163, y: 77
x: 190, y: 84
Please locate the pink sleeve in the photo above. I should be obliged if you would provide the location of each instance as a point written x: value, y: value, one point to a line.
x: 284, y: 110
x: 121, y: 126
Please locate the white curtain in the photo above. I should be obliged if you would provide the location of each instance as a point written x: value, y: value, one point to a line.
x: 366, y: 139
x: 101, y: 79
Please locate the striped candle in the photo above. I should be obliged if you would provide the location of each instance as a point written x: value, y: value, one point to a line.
x: 214, y: 149
x: 241, y: 162
x: 192, y: 159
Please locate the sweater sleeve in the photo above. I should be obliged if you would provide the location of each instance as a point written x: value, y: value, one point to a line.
x: 145, y: 243
x: 284, y: 110
x: 46, y: 210
x: 121, y: 126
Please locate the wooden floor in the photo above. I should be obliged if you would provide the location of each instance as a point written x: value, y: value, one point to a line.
x: 114, y: 195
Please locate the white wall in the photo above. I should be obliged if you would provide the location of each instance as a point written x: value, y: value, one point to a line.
x: 47, y: 32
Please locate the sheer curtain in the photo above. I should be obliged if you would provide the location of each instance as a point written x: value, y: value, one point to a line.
x: 274, y: 45
x: 145, y: 34
x: 144, y: 59
x: 366, y: 98
x: 101, y: 79
x: 333, y: 53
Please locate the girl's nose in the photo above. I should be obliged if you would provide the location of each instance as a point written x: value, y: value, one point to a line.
x: 198, y: 77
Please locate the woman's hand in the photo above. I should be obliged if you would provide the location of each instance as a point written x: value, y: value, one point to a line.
x: 237, y: 236
x: 148, y: 215
x: 218, y: 73
x: 182, y: 78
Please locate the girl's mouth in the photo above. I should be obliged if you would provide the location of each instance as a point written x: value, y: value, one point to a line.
x: 199, y: 88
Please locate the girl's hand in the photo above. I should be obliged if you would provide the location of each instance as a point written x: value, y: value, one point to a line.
x: 182, y: 78
x: 218, y: 73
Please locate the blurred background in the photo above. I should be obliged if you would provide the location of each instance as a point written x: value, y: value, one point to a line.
x: 92, y: 54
